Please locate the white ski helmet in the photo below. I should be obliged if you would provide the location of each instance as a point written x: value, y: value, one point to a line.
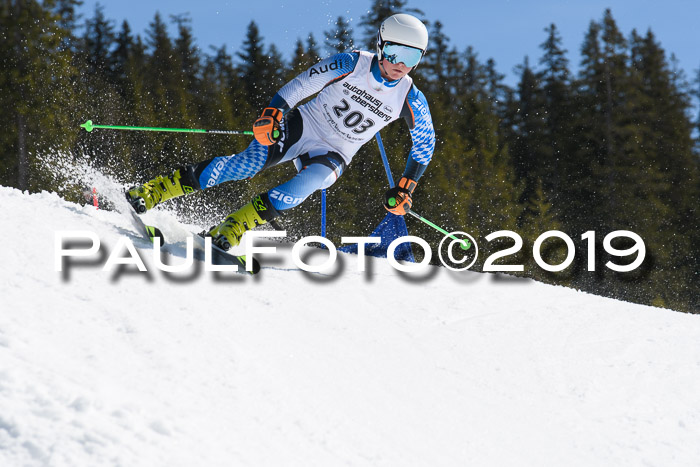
x: 402, y: 29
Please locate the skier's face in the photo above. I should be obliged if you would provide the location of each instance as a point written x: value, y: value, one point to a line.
x: 391, y: 71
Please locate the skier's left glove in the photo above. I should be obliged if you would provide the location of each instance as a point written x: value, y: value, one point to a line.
x: 267, y: 128
x: 398, y: 199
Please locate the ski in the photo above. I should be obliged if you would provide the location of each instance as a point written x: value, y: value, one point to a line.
x: 224, y: 258
x: 219, y: 256
x: 149, y: 231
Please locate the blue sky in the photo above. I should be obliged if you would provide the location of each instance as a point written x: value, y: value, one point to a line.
x: 505, y: 30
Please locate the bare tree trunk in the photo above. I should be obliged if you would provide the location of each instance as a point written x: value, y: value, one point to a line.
x: 22, y: 158
x: 610, y: 157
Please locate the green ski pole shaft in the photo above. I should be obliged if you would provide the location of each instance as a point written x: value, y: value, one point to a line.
x: 466, y: 244
x: 89, y: 126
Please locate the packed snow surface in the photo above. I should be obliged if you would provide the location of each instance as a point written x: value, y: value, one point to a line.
x: 290, y: 368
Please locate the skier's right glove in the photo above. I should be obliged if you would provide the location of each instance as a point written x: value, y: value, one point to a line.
x: 267, y: 128
x: 398, y: 199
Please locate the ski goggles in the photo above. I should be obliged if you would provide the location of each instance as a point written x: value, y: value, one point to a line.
x: 397, y: 53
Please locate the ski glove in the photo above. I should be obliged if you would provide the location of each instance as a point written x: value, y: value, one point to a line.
x: 398, y: 199
x: 267, y: 128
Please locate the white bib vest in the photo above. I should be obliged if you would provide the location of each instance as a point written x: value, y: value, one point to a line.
x: 348, y: 113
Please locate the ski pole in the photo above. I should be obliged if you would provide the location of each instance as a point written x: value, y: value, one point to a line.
x: 89, y: 126
x: 466, y: 244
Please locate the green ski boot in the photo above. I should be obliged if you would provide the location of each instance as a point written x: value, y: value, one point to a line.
x: 160, y: 189
x: 258, y: 212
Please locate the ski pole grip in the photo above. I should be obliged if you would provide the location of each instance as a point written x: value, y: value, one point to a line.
x: 88, y: 126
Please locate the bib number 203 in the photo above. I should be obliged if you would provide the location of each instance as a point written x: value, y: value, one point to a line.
x: 355, y: 119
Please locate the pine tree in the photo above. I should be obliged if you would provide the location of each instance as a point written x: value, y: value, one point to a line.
x: 253, y: 67
x: 130, y: 77
x: 36, y: 89
x: 666, y: 167
x: 312, y: 48
x: 440, y: 67
x: 556, y: 100
x: 301, y: 60
x: 219, y: 80
x: 697, y: 121
x: 274, y: 74
x: 498, y: 92
x: 68, y: 22
x: 99, y: 39
x: 599, y: 150
x: 188, y: 84
x: 614, y: 67
x: 122, y: 60
x: 339, y: 39
x: 160, y: 64
x: 166, y: 101
x: 530, y: 127
x: 188, y: 55
x: 224, y: 101
x: 305, y: 56
x: 470, y: 163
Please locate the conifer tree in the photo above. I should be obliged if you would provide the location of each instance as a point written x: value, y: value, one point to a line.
x: 160, y: 65
x: 99, y: 39
x: 188, y: 82
x: 68, y: 22
x: 615, y: 113
x: 312, y: 48
x: 591, y: 146
x: 274, y: 74
x: 165, y: 98
x: 253, y: 67
x: 665, y: 157
x: 225, y: 102
x: 122, y: 54
x: 440, y: 67
x: 301, y: 60
x: 339, y: 39
x: 129, y: 75
x: 470, y: 163
x: 35, y: 84
x: 188, y: 54
x: 219, y: 80
x: 498, y: 92
x: 529, y: 128
x: 556, y: 113
x: 697, y: 121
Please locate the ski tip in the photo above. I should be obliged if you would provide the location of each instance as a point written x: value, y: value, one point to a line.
x: 256, y: 264
x: 153, y: 233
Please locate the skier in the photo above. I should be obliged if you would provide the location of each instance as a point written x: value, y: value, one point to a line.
x: 359, y: 93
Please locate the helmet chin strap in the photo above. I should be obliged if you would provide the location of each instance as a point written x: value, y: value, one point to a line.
x: 381, y: 67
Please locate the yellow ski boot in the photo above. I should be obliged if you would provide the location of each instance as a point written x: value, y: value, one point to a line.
x: 154, y: 192
x: 258, y: 212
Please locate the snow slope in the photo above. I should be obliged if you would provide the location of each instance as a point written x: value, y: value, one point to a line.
x: 296, y: 369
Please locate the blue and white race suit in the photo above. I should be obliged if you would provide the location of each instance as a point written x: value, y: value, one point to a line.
x: 321, y: 137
